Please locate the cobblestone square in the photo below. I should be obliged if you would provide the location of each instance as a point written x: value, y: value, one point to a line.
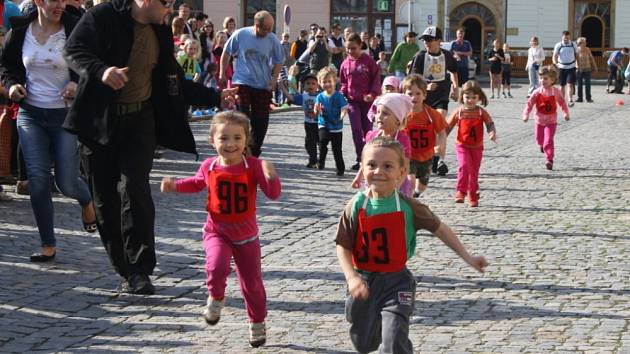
x: 558, y: 244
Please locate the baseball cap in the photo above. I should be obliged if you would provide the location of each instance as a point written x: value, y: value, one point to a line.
x: 431, y: 33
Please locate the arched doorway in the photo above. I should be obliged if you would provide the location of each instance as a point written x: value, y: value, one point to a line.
x: 474, y: 31
x: 592, y: 28
x: 481, y: 27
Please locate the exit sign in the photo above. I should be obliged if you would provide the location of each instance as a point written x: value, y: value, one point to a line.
x: 382, y: 5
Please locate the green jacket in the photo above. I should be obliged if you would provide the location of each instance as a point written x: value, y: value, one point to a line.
x: 403, y: 54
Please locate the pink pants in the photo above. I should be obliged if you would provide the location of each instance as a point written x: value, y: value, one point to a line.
x: 544, y: 138
x: 468, y: 170
x: 219, y: 250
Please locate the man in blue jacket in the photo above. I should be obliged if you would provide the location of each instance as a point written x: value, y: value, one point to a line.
x: 131, y: 96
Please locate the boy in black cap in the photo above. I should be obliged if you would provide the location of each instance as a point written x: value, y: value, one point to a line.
x: 439, y: 69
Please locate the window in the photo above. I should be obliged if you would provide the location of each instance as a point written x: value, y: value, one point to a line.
x: 253, y: 6
x: 372, y: 16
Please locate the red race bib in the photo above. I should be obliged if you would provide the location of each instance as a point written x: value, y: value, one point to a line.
x: 470, y: 130
x: 422, y: 137
x: 231, y: 196
x: 546, y: 104
x: 380, y: 244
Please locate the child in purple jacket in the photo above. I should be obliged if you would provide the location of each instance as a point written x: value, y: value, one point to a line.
x: 360, y: 81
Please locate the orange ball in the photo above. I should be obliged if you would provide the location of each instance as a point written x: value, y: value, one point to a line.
x: 619, y: 102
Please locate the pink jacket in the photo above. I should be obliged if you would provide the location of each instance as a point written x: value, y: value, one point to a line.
x: 359, y: 77
x: 542, y: 118
x: 197, y: 183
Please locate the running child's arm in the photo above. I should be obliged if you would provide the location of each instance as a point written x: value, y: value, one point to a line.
x: 268, y: 179
x: 356, y: 286
x: 492, y: 133
x: 529, y: 106
x: 358, y: 179
x: 192, y: 184
x: 451, y: 122
x: 448, y: 236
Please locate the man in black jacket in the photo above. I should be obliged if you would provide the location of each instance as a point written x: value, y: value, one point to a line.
x: 131, y: 96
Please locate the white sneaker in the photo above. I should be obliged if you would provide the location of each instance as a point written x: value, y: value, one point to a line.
x: 212, y: 312
x: 257, y: 334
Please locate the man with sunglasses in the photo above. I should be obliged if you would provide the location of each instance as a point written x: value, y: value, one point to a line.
x: 131, y: 96
x: 439, y: 69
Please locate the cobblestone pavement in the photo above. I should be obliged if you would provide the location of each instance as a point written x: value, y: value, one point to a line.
x: 558, y: 243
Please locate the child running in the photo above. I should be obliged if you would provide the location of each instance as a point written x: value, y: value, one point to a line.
x: 546, y: 98
x: 311, y: 133
x: 391, y: 112
x: 360, y: 80
x: 231, y: 230
x: 426, y: 131
x: 376, y: 235
x: 330, y: 107
x: 469, y: 119
x: 391, y: 84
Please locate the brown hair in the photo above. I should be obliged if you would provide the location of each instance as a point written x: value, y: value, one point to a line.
x: 472, y: 87
x: 232, y: 117
x: 550, y: 71
x: 414, y: 79
x: 354, y: 37
x: 389, y: 143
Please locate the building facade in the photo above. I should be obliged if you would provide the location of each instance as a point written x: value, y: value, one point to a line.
x: 605, y: 23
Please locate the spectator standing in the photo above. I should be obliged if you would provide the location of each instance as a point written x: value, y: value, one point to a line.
x: 184, y: 13
x: 375, y: 48
x: 136, y: 81
x: 206, y: 41
x: 286, y: 45
x: 535, y: 58
x: 319, y: 50
x: 496, y: 56
x: 565, y: 57
x: 260, y: 58
x: 229, y: 26
x: 403, y: 54
x: 337, y: 49
x: 585, y: 66
x: 462, y: 50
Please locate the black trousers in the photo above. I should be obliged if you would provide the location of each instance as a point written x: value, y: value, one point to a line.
x: 118, y: 174
x: 255, y: 104
x: 335, y: 139
x: 311, y: 140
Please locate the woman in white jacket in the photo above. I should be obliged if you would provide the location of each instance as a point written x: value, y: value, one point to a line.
x: 535, y: 58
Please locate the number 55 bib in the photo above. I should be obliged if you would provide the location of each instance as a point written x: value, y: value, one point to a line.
x: 231, y: 196
x: 380, y: 244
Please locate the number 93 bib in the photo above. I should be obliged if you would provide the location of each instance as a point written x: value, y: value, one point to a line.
x: 380, y: 244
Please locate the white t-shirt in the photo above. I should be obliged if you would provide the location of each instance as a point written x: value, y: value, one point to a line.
x: 566, y: 55
x: 46, y: 70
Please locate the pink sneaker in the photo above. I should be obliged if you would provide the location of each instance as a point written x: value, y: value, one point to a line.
x: 549, y: 165
x: 459, y: 197
x: 473, y: 199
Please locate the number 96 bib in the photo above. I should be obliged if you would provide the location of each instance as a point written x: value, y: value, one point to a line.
x: 231, y: 196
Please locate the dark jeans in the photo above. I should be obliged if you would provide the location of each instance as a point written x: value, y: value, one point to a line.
x: 119, y: 177
x: 255, y: 104
x: 311, y: 140
x: 335, y: 139
x: 462, y: 73
x: 584, y: 77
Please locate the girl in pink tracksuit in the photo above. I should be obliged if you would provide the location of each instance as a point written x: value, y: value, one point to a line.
x: 231, y: 230
x: 360, y: 81
x: 546, y: 99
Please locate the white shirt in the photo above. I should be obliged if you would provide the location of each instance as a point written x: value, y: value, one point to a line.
x: 46, y: 70
x: 535, y: 56
x: 567, y: 55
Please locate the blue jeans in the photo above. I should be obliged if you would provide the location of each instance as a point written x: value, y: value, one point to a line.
x: 43, y: 143
x: 533, y: 79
